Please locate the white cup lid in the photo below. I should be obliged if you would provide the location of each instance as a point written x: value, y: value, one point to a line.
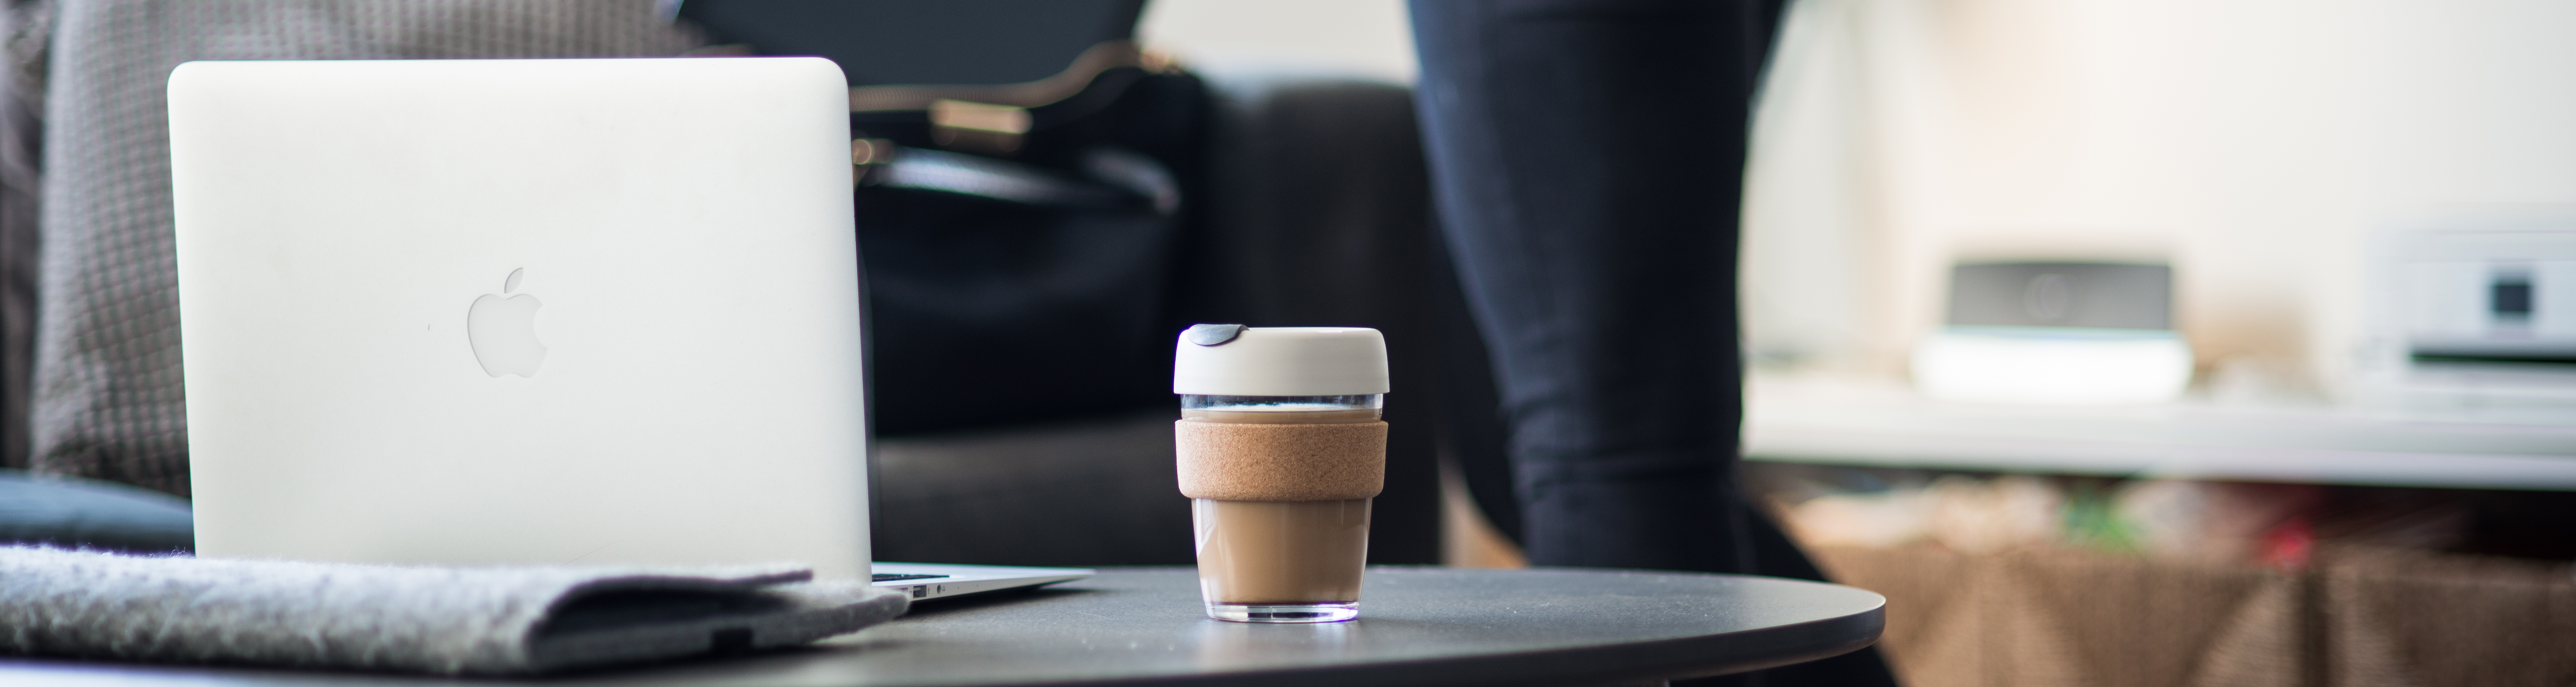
x: 1279, y: 361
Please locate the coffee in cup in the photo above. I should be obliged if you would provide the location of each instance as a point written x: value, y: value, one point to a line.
x: 1280, y: 451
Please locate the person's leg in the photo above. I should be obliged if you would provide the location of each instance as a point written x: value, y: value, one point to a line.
x: 1587, y: 156
x: 1587, y: 160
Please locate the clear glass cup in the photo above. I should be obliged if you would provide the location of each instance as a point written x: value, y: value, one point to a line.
x: 1281, y: 562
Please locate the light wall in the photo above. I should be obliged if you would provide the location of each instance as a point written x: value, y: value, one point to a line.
x: 2258, y: 145
x: 1362, y: 37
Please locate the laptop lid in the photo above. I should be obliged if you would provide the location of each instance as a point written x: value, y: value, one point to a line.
x: 521, y: 311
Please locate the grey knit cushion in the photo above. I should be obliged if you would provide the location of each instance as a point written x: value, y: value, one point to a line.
x: 108, y: 402
x: 412, y: 619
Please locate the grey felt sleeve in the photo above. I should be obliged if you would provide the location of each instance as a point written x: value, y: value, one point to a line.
x: 500, y: 620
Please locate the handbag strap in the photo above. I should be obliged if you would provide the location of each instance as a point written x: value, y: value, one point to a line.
x: 1117, y: 178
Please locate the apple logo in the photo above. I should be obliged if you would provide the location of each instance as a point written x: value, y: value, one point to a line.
x: 503, y: 331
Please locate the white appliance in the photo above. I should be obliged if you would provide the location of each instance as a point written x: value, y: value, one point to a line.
x: 2495, y: 295
x: 523, y: 311
x: 2477, y: 316
x: 2056, y: 333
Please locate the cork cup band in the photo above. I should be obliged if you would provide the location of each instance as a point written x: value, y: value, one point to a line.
x: 1277, y: 462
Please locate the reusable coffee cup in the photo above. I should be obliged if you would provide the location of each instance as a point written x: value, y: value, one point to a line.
x: 1281, y: 450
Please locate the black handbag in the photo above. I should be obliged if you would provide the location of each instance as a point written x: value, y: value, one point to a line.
x: 1020, y: 261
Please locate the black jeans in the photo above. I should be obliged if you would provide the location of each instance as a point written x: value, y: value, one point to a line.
x: 1587, y: 159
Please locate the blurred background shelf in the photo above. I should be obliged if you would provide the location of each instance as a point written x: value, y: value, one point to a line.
x: 1800, y: 419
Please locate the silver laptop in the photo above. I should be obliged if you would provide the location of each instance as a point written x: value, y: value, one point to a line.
x: 527, y: 311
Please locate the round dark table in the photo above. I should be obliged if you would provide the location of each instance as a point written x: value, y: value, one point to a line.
x: 1417, y: 626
